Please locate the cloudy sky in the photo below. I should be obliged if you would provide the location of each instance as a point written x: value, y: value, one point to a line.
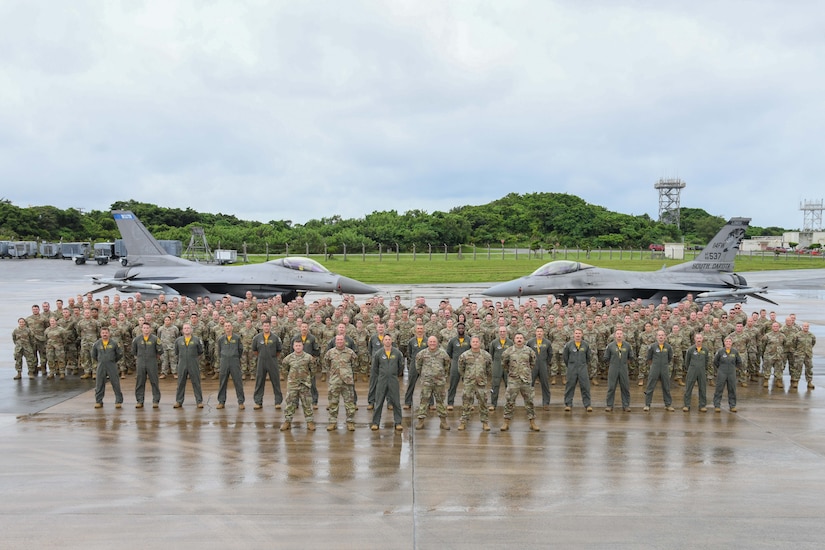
x: 299, y: 110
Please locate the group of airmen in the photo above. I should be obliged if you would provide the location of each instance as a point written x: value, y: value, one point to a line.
x: 483, y: 346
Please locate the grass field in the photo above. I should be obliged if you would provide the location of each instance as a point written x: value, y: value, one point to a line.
x: 426, y: 270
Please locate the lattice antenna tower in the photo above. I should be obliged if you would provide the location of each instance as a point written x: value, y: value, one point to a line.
x: 198, y: 249
x: 812, y: 213
x: 670, y: 208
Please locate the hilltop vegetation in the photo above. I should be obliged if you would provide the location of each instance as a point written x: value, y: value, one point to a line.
x: 533, y: 220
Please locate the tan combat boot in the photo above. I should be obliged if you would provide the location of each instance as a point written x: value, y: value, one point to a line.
x: 765, y: 383
x: 552, y: 380
x: 311, y: 426
x: 444, y: 425
x: 594, y: 381
x: 794, y: 384
x: 485, y: 426
x: 680, y: 381
x: 350, y: 426
x: 462, y: 426
x: 506, y: 425
x: 420, y: 424
x: 641, y: 381
x: 286, y: 426
x: 811, y: 385
x: 779, y: 383
x: 533, y: 426
x: 332, y: 427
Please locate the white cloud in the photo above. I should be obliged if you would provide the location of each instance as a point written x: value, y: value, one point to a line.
x: 285, y: 110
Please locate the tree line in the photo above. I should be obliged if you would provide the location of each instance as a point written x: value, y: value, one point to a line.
x: 531, y: 220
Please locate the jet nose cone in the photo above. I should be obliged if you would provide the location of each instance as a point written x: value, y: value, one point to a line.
x: 346, y: 285
x: 505, y: 290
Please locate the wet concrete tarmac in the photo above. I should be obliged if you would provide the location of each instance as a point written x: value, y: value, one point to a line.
x: 75, y: 476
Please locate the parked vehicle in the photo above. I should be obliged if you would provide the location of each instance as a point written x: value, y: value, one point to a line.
x: 77, y: 251
x: 224, y: 256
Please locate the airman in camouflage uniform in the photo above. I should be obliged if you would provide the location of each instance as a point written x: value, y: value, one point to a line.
x: 56, y: 348
x: 679, y: 343
x: 433, y: 366
x: 167, y: 334
x: 558, y: 338
x: 247, y: 334
x: 300, y: 367
x: 773, y: 356
x: 791, y: 330
x: 754, y: 337
x: 603, y: 334
x: 339, y: 364
x: 518, y: 362
x: 740, y: 340
x: 23, y: 347
x: 88, y: 329
x: 803, y: 357
x: 37, y: 323
x: 362, y: 339
x: 590, y: 335
x: 645, y: 339
x: 475, y: 367
x: 69, y: 325
x: 122, y: 330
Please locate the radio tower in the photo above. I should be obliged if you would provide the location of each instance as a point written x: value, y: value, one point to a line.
x: 812, y: 212
x: 669, y: 205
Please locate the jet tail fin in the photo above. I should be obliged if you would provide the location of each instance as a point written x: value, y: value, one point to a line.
x: 720, y: 253
x: 141, y: 247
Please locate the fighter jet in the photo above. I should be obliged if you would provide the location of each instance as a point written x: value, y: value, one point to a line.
x: 152, y: 270
x: 709, y: 277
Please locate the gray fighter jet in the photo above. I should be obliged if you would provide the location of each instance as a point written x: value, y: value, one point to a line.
x: 152, y: 270
x: 709, y: 277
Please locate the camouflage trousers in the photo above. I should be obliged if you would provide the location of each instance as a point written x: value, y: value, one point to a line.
x: 801, y: 362
x: 743, y: 370
x: 86, y: 355
x: 516, y: 387
x: 248, y: 365
x: 28, y: 352
x: 56, y: 356
x: 643, y: 367
x: 128, y: 363
x: 363, y: 363
x: 71, y: 355
x: 168, y: 361
x: 593, y: 366
x: 773, y: 364
x: 338, y: 390
x: 40, y: 352
x: 753, y: 363
x: 468, y: 398
x: 293, y: 394
x: 438, y: 393
x: 557, y: 366
x: 677, y: 365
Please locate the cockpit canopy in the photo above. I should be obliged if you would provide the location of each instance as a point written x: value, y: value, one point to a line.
x: 560, y: 267
x: 299, y: 263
